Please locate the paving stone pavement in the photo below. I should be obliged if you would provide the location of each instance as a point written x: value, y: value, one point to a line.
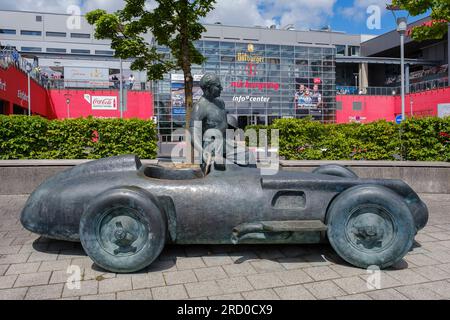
x: 32, y: 267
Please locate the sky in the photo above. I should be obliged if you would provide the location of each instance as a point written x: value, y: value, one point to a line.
x: 351, y: 16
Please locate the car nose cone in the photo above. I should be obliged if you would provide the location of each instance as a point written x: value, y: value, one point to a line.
x: 33, y: 217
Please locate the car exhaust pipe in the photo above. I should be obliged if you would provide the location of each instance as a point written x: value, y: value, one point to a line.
x: 245, y: 230
x: 274, y: 229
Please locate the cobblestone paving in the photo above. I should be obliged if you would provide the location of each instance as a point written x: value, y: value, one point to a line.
x: 36, y: 268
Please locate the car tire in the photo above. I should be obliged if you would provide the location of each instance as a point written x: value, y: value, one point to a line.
x: 336, y: 170
x: 123, y: 230
x: 370, y: 225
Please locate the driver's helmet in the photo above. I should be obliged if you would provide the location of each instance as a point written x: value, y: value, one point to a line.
x: 232, y: 121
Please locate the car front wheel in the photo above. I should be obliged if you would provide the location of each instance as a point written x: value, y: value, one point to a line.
x: 370, y: 225
x: 123, y: 230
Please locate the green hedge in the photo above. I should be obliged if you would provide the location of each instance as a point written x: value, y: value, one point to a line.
x: 25, y: 137
x: 416, y: 139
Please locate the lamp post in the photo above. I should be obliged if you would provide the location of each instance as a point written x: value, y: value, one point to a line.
x: 356, y: 82
x: 28, y: 68
x: 121, y: 88
x: 68, y: 96
x: 402, y: 26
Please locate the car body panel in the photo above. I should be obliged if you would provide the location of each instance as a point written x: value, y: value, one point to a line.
x: 199, y: 209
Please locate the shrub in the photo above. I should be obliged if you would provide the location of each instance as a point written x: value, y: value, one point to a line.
x: 417, y: 139
x: 25, y: 137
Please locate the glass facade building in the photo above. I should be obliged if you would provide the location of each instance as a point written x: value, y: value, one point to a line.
x: 261, y: 82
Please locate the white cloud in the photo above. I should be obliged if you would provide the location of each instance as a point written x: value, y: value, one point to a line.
x: 109, y: 5
x: 238, y: 12
x: 57, y: 6
x: 60, y: 6
x: 301, y: 13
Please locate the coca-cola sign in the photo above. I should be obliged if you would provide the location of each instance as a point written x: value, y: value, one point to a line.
x: 104, y: 103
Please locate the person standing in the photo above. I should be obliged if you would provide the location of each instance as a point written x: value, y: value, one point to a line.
x: 316, y: 96
x: 131, y: 82
x: 115, y: 81
x: 15, y: 56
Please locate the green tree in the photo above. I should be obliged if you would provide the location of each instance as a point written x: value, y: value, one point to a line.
x: 440, y: 17
x: 173, y: 24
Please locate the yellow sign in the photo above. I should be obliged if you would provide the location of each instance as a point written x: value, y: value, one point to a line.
x: 248, y: 57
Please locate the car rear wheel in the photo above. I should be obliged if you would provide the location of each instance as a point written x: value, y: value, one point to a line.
x: 336, y: 170
x: 123, y: 230
x: 370, y: 226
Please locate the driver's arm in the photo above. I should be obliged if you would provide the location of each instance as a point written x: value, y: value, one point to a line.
x: 197, y: 121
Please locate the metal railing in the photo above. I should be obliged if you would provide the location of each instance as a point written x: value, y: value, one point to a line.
x: 428, y: 85
x: 370, y: 91
x: 393, y: 91
x: 9, y: 57
x: 174, y: 138
x: 52, y: 83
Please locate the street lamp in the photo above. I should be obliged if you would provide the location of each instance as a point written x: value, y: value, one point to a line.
x: 68, y: 96
x: 356, y: 81
x: 402, y: 27
x: 121, y: 88
x: 28, y: 69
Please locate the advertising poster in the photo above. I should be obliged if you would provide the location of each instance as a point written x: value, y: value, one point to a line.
x: 83, y: 77
x: 102, y: 102
x: 308, y: 95
x: 178, y: 98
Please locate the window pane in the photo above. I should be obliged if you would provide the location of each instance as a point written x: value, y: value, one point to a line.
x: 56, y: 50
x: 55, y: 34
x: 30, y: 33
x: 80, y: 35
x: 7, y: 31
x: 340, y: 50
x: 80, y: 51
x: 32, y: 49
x: 104, y: 52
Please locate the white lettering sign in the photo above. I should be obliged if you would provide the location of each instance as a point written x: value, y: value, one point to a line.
x: 175, y: 77
x: 241, y: 99
x: 22, y: 95
x: 2, y: 85
x: 104, y: 103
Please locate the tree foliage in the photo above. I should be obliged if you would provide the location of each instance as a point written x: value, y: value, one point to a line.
x: 440, y: 17
x: 173, y: 24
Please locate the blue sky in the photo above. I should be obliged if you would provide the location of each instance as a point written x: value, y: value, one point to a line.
x: 342, y: 15
x: 357, y: 25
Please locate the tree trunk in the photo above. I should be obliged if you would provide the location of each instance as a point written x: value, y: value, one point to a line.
x: 188, y: 80
x: 188, y: 86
